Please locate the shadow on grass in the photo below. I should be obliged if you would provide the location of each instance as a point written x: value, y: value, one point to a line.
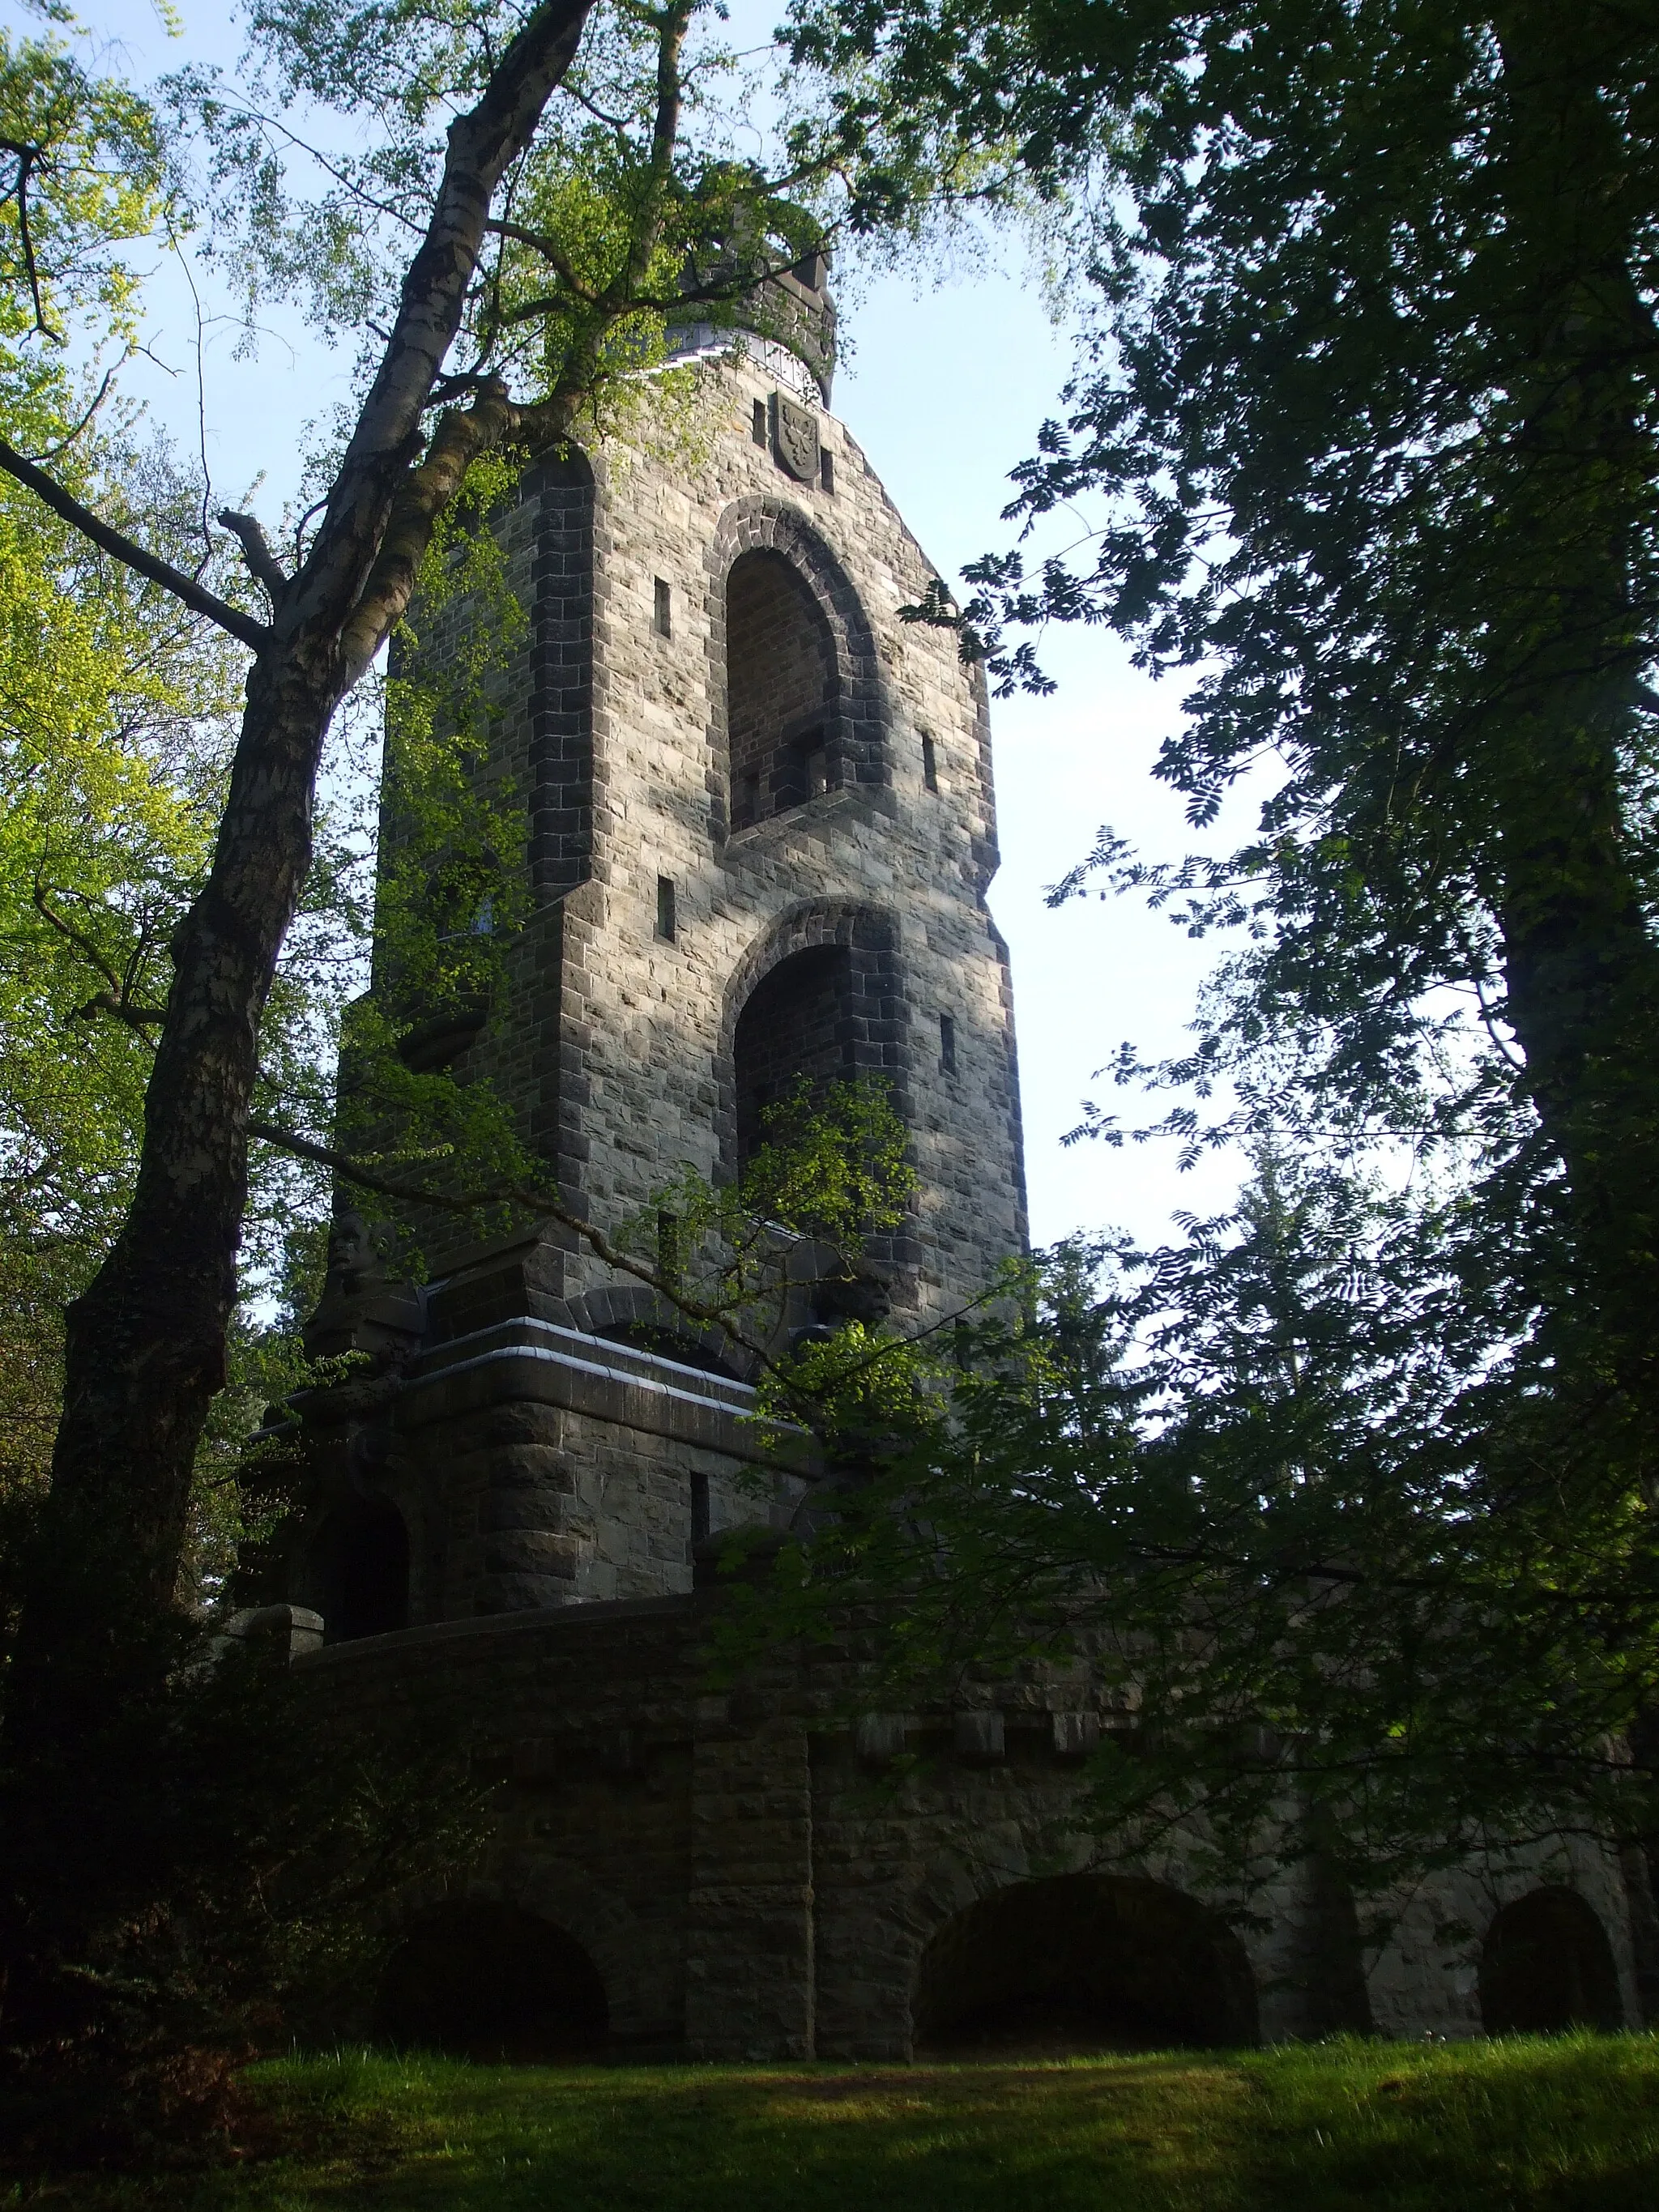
x: 1528, y: 2125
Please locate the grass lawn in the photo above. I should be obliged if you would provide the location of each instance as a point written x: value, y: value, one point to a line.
x: 1571, y: 2122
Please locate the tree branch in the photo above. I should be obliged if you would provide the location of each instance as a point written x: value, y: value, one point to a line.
x: 27, y: 158
x: 70, y: 436
x: 551, y: 252
x: 123, y: 548
x: 66, y: 929
x: 353, y: 583
x: 142, y: 1018
x: 426, y: 491
x: 113, y: 1001
x: 532, y: 1202
x: 482, y: 144
x: 262, y: 561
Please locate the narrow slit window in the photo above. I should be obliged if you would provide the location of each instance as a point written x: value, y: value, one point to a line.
x: 827, y: 470
x: 665, y: 919
x: 947, y: 1043
x: 929, y: 765
x: 665, y: 609
x: 758, y: 431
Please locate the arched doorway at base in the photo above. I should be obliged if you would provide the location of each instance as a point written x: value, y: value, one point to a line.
x: 1083, y: 1962
x: 490, y: 1981
x: 1546, y: 1965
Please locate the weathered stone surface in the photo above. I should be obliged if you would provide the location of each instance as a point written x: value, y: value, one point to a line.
x: 1075, y: 1734
x: 764, y: 1869
x: 879, y: 1738
x: 750, y: 1887
x: 979, y: 1737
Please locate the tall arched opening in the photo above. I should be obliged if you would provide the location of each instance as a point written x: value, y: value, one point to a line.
x: 1084, y: 1962
x: 822, y: 997
x: 491, y: 1981
x: 799, y: 1021
x: 1547, y: 1965
x: 357, y: 1570
x: 781, y: 693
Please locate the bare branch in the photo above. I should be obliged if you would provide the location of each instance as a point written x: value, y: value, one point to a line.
x: 109, y: 540
x: 464, y: 384
x: 53, y: 452
x: 142, y: 1018
x: 531, y: 1201
x: 256, y: 552
x: 550, y: 251
x: 28, y: 158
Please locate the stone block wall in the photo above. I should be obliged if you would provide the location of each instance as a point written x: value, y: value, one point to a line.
x: 613, y: 1044
x: 764, y: 1870
x: 756, y: 1874
x: 537, y: 1465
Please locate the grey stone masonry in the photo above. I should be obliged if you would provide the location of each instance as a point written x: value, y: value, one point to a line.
x: 758, y: 813
x: 755, y: 1872
x: 805, y: 822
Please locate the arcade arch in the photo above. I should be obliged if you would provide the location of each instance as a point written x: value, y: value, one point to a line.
x: 489, y: 1980
x: 1547, y: 1965
x: 1084, y: 1962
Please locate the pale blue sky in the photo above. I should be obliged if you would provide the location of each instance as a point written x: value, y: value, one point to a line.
x: 944, y: 387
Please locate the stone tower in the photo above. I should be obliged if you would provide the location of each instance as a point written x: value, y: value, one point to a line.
x: 761, y: 831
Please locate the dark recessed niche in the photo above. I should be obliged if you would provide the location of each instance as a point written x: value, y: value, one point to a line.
x: 757, y: 424
x: 1083, y: 1962
x: 795, y: 1026
x: 665, y: 609
x: 781, y: 695
x: 490, y: 1982
x: 356, y: 1571
x: 929, y: 765
x: 440, y: 1041
x: 947, y: 1044
x: 827, y: 470
x: 1546, y: 1967
x: 667, y: 920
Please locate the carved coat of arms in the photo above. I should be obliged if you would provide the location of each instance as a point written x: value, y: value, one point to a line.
x: 797, y: 438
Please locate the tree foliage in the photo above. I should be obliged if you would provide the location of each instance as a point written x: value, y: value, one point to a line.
x: 1364, y: 424
x: 1271, y: 1484
x: 114, y: 706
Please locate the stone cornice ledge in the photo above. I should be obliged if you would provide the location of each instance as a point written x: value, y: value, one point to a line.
x: 484, y: 1627
x: 539, y: 1360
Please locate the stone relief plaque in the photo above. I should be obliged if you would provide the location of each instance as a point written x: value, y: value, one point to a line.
x: 797, y: 434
